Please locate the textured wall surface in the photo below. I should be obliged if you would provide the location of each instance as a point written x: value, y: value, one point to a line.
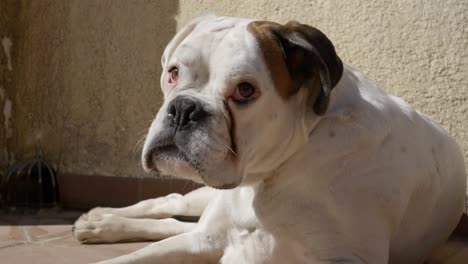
x: 87, y: 72
x: 88, y: 84
x: 417, y: 50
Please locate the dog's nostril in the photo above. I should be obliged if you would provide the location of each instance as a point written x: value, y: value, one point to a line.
x: 172, y: 110
x: 197, y: 114
x: 182, y: 110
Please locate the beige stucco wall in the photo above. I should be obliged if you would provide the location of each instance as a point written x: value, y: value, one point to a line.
x: 88, y: 82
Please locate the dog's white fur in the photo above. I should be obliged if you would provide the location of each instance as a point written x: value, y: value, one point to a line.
x: 370, y: 181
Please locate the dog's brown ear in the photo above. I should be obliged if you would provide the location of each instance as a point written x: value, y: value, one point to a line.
x: 308, y: 55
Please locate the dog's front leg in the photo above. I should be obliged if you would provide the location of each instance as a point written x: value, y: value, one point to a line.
x: 109, y: 228
x: 193, y: 247
x: 190, y: 204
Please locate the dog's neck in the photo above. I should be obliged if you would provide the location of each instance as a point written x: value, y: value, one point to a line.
x: 341, y: 100
x: 291, y: 172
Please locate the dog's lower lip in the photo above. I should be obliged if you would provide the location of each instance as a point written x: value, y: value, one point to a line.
x: 148, y: 164
x: 169, y: 152
x: 162, y: 152
x: 171, y: 149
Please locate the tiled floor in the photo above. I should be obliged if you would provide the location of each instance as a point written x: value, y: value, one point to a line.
x: 46, y: 238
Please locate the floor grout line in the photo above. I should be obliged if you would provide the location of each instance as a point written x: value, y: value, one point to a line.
x: 13, y: 245
x: 43, y: 241
x: 26, y: 234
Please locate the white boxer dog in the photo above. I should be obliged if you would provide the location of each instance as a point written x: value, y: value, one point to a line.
x: 305, y: 159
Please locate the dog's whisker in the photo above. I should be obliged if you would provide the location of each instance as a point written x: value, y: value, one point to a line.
x: 232, y: 151
x: 139, y: 145
x: 143, y: 132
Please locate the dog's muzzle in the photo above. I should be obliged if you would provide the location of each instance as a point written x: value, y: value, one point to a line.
x: 184, y: 116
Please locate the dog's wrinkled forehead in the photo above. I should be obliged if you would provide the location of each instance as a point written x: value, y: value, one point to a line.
x: 208, y: 29
x: 212, y: 56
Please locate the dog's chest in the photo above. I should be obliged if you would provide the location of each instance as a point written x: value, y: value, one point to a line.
x: 248, y: 246
x: 260, y: 247
x: 301, y: 224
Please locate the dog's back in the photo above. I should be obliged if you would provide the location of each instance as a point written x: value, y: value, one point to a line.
x: 418, y: 168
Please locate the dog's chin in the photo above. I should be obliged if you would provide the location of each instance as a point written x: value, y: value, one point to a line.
x: 224, y: 178
x: 178, y: 168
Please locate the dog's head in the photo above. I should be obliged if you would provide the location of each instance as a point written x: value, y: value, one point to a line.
x: 238, y: 96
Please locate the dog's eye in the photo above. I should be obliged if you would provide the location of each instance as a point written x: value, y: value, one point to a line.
x: 244, y: 93
x: 173, y: 74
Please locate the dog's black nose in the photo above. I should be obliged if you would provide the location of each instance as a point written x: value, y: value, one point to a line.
x: 183, y: 110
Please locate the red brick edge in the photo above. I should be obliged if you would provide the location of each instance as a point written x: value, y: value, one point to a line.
x: 88, y: 191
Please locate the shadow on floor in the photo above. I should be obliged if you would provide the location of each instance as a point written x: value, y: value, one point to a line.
x: 41, y: 217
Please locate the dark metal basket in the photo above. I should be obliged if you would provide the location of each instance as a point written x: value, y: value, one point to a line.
x: 29, y: 184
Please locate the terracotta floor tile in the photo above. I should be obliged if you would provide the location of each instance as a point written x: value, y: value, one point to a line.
x: 47, y: 238
x: 41, y: 232
x: 46, y: 254
x: 12, y: 233
x: 8, y: 244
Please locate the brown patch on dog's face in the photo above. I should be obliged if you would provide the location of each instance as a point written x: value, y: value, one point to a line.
x: 273, y: 55
x: 299, y: 55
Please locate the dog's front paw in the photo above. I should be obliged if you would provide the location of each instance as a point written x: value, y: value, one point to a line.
x: 98, y: 228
